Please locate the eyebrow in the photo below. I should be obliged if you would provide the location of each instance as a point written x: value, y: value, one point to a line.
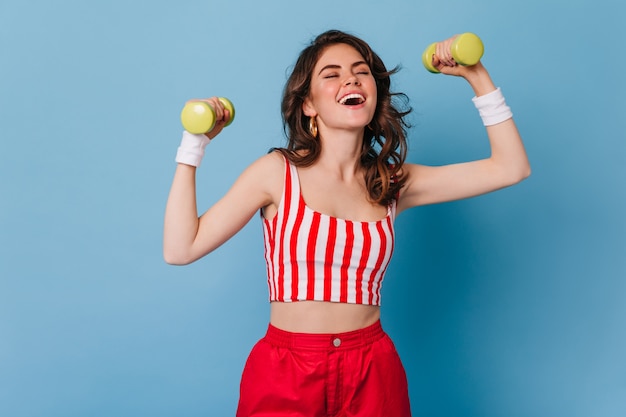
x: 335, y: 66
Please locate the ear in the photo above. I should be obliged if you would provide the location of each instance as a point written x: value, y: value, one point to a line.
x: 308, y: 109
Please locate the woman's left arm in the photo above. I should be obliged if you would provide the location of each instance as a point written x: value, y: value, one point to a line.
x: 507, y: 165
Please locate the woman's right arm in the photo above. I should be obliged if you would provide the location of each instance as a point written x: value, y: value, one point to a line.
x: 188, y: 237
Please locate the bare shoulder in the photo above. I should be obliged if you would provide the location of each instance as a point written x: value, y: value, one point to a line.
x: 266, y: 175
x: 269, y: 168
x: 270, y: 162
x: 411, y: 192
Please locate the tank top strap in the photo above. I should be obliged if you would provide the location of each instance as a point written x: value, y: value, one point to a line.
x: 393, y: 207
x: 291, y: 190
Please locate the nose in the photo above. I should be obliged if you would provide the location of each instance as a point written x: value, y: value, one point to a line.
x: 352, y: 80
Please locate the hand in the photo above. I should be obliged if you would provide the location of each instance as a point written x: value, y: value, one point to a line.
x: 222, y: 115
x: 445, y: 63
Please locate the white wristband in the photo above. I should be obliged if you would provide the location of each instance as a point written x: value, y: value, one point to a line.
x: 492, y: 108
x: 191, y: 149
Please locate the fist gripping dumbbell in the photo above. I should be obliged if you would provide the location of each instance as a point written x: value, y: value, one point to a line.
x: 198, y: 117
x: 466, y: 49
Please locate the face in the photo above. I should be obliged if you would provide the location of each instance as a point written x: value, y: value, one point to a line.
x: 343, y: 90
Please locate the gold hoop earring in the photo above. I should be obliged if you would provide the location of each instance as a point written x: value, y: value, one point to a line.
x: 313, y: 127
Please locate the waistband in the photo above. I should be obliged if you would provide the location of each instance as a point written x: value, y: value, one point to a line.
x: 325, y: 341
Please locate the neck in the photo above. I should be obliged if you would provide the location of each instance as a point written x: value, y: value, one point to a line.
x: 341, y: 152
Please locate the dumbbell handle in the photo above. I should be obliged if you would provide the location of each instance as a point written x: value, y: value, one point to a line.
x: 198, y: 117
x: 466, y: 49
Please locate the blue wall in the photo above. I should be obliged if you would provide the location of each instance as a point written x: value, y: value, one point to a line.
x: 510, y: 304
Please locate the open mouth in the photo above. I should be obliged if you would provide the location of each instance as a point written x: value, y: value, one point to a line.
x: 352, y: 99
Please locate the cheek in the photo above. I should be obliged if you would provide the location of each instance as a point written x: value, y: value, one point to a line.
x: 325, y: 99
x: 327, y: 90
x: 373, y: 88
x: 322, y: 91
x: 373, y: 97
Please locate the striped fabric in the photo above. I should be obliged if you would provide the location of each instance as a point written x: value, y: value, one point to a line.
x: 313, y: 256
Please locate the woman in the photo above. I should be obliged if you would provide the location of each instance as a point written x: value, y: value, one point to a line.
x: 328, y: 202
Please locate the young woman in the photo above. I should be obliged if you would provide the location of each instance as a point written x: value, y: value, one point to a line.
x: 328, y: 202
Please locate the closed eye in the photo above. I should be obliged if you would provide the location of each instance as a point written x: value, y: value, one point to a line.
x: 362, y: 68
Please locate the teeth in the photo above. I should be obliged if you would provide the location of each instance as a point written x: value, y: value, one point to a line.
x: 358, y: 97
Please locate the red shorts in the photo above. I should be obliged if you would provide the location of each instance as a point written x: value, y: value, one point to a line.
x: 357, y: 373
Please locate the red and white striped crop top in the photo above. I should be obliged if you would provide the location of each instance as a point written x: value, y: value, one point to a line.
x: 313, y: 256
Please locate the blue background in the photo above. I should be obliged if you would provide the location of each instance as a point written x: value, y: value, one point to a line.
x: 510, y: 304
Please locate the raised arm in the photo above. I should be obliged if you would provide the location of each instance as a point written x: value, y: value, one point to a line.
x: 187, y: 236
x: 507, y: 164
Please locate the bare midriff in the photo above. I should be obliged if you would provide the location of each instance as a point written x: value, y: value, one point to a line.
x: 322, y: 317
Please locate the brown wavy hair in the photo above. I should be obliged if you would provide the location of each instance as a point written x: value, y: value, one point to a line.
x: 384, y: 145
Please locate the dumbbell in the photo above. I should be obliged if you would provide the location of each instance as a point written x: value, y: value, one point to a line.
x: 198, y: 117
x: 467, y: 49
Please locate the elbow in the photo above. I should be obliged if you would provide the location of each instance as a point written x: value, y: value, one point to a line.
x: 524, y: 171
x: 174, y: 261
x: 178, y: 254
x: 527, y: 172
x: 176, y: 258
x: 519, y: 174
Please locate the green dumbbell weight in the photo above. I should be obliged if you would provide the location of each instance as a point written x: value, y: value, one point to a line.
x: 198, y: 117
x: 466, y: 49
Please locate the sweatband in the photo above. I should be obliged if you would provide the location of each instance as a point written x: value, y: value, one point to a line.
x: 492, y: 108
x: 191, y: 149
